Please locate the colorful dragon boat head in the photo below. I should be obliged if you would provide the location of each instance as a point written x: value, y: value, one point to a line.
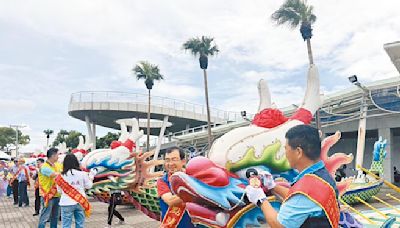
x: 365, y: 186
x: 121, y: 167
x: 213, y: 187
x: 124, y: 167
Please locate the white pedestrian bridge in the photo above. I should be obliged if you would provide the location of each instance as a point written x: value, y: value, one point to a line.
x: 105, y: 108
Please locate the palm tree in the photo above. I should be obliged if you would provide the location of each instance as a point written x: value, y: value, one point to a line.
x: 149, y: 73
x: 63, y: 133
x: 202, y: 48
x: 48, y: 132
x: 295, y: 13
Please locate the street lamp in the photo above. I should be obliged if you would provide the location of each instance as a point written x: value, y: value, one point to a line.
x: 244, y: 115
x: 16, y: 136
x: 362, y: 122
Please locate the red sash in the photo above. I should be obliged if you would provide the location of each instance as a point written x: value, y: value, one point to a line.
x: 320, y: 192
x: 26, y: 175
x: 173, y: 216
x: 47, y: 196
x: 74, y: 194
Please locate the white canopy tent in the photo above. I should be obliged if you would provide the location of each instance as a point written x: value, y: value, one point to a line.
x: 4, y: 156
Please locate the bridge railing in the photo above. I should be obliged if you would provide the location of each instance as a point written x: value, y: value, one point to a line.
x: 165, y: 102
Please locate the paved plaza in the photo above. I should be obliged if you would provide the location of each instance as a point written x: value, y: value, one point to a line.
x: 21, y: 217
x: 15, y: 217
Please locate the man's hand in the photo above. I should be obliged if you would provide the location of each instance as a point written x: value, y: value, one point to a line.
x: 254, y: 194
x: 267, y: 180
x: 93, y: 172
x: 171, y: 200
x: 54, y: 174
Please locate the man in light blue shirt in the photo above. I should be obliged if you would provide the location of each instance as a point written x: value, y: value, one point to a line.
x: 23, y: 182
x: 298, y: 208
x: 313, y: 185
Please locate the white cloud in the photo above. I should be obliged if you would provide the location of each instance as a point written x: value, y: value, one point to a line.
x: 59, y: 47
x: 15, y: 106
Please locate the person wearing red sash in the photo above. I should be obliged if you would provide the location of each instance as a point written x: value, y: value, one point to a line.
x: 39, y: 163
x: 50, y: 198
x: 312, y: 199
x: 173, y: 209
x: 73, y: 202
x: 14, y: 181
x: 23, y: 182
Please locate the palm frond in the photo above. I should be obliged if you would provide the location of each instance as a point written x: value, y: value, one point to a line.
x: 294, y: 13
x: 201, y: 46
x: 283, y: 16
x: 48, y: 132
x: 147, y: 71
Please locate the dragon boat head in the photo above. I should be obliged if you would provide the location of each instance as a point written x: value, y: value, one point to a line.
x: 213, y: 187
x: 122, y: 166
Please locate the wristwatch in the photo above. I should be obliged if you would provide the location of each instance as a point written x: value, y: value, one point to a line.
x: 261, y: 201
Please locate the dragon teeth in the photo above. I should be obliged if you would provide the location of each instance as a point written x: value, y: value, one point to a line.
x: 222, y: 218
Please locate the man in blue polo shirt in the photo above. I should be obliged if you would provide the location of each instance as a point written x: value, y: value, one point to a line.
x: 173, y: 213
x: 311, y: 201
x: 23, y: 183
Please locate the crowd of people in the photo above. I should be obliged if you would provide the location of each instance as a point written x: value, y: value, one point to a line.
x: 58, y: 188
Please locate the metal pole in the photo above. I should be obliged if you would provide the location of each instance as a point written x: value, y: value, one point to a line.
x: 361, y: 131
x: 318, y: 120
x: 16, y: 137
x: 16, y: 141
x: 148, y: 123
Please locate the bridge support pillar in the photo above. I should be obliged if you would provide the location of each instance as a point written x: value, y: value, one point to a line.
x: 93, y: 136
x: 91, y: 132
x: 160, y: 137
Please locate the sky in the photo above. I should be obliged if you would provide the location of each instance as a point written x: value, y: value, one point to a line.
x: 51, y: 49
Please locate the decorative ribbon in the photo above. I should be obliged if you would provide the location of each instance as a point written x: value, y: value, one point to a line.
x: 26, y: 175
x: 47, y: 196
x: 325, y: 196
x: 74, y: 194
x: 173, y: 216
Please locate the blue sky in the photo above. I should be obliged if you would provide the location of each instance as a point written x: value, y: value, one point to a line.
x: 50, y: 49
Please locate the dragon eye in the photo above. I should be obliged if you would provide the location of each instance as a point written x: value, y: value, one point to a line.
x: 251, y: 172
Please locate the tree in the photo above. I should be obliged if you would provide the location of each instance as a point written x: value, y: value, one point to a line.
x: 71, y: 138
x: 48, y: 132
x: 202, y: 48
x: 60, y: 137
x: 8, y: 138
x: 149, y: 73
x: 105, y: 141
x: 295, y: 13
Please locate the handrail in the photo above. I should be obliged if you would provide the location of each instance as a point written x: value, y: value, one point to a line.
x: 137, y: 98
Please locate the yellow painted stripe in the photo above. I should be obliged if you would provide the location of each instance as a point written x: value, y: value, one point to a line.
x: 357, y: 212
x: 370, y: 206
